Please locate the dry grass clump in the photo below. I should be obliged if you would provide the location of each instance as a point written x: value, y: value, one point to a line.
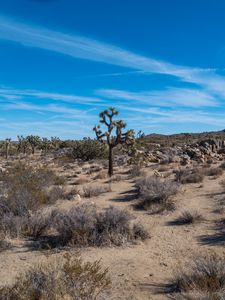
x: 222, y: 183
x: 4, y: 245
x: 81, y: 180
x: 155, y: 194
x: 94, y: 169
x: 95, y: 190
x: 39, y: 223
x: 189, y: 217
x: 84, y: 226
x: 66, y: 277
x: 205, y: 280
x: 102, y: 175
x: 135, y: 171
x: 214, y: 172
x: 11, y: 225
x: 116, y: 178
x: 25, y: 191
x: 32, y: 225
x: 189, y: 176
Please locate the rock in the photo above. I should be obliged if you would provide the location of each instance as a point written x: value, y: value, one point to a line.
x: 76, y: 197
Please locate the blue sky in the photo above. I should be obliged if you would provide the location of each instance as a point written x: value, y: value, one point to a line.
x: 161, y: 63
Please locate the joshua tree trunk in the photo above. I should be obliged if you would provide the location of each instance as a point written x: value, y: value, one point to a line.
x: 110, y: 170
x: 7, y: 151
x: 33, y: 150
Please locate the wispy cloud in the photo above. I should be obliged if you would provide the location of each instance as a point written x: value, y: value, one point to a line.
x: 82, y: 47
x: 167, y: 106
x: 85, y: 48
x: 14, y: 94
x: 186, y: 97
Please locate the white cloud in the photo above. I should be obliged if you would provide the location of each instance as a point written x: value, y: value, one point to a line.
x: 90, y: 49
x: 85, y: 48
x: 14, y: 94
x: 185, y: 97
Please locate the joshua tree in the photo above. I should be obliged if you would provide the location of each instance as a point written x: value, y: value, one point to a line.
x: 113, y: 135
x: 22, y: 144
x: 55, y: 141
x: 45, y: 144
x: 34, y: 141
x: 7, y: 146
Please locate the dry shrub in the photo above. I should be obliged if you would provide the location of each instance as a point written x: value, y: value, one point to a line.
x: 155, y: 194
x: 94, y: 169
x: 4, y: 245
x: 116, y: 178
x: 11, y: 225
x: 102, y: 175
x: 25, y: 188
x: 162, y: 168
x: 189, y: 217
x: 222, y: 183
x: 81, y: 180
x: 84, y: 226
x: 214, y: 172
x: 33, y: 225
x: 95, y: 190
x: 66, y: 278
x: 56, y: 193
x: 205, y: 280
x: 39, y: 223
x: 135, y: 171
x: 189, y: 176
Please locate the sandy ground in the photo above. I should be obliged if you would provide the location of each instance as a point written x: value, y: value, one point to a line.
x: 138, y: 271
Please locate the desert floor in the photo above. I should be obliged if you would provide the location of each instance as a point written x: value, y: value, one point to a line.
x: 139, y: 271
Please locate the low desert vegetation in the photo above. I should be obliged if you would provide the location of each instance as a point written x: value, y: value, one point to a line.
x: 67, y: 277
x: 186, y: 176
x: 88, y: 149
x: 26, y: 191
x: 102, y: 175
x: 135, y: 171
x: 95, y: 190
x: 189, y: 217
x: 81, y: 180
x: 204, y: 281
x: 4, y: 245
x: 84, y: 226
x: 214, y: 172
x: 156, y: 195
x: 26, y: 188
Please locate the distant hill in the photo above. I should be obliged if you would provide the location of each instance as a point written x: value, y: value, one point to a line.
x: 181, y: 138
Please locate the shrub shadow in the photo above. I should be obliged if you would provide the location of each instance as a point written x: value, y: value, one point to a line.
x: 218, y: 238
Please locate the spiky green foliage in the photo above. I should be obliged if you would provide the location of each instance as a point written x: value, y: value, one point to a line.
x: 45, y: 144
x: 89, y: 149
x: 34, y: 141
x: 22, y: 144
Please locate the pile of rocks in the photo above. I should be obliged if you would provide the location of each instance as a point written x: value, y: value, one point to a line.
x: 202, y: 151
